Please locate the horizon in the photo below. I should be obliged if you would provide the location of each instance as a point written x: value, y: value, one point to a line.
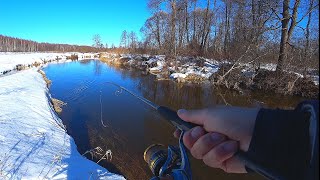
x: 71, y: 22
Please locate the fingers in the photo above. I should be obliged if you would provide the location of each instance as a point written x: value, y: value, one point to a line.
x: 205, y: 143
x: 217, y: 156
x: 177, y: 133
x: 191, y: 136
x: 215, y: 149
x: 233, y: 165
x: 194, y: 116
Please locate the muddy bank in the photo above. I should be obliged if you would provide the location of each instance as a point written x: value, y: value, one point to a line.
x: 238, y: 76
x: 285, y: 83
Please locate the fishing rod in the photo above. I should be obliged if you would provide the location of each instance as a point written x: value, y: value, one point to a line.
x: 183, y: 126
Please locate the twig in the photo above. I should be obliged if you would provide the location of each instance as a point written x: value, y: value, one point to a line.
x: 99, y: 151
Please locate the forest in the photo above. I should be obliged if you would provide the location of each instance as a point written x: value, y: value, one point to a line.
x: 12, y: 44
x: 285, y: 32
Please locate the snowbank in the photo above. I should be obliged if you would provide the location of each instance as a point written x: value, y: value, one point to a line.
x: 177, y: 75
x: 9, y: 61
x: 190, y: 68
x: 33, y: 143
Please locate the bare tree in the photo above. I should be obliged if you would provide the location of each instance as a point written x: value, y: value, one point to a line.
x: 97, y: 43
x: 286, y: 31
x: 228, y: 8
x: 224, y: 28
x: 307, y: 36
x: 124, y: 39
x: 173, y: 26
x: 133, y: 40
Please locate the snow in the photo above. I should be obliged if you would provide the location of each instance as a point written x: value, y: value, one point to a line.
x: 189, y: 69
x: 9, y: 61
x: 315, y: 79
x: 158, y: 68
x: 33, y: 143
x: 177, y: 75
x: 152, y: 60
x: 269, y: 66
x: 188, y: 66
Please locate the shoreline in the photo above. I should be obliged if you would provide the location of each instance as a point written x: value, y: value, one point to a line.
x: 33, y: 139
x: 13, y: 62
x: 236, y: 76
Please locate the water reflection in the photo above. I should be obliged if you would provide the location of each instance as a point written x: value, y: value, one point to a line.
x: 131, y: 125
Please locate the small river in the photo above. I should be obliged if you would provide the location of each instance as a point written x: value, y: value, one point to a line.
x: 131, y: 126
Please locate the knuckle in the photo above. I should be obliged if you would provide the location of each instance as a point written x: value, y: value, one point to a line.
x: 213, y: 157
x: 186, y: 141
x: 224, y: 167
x: 211, y: 163
x: 218, y: 158
x: 195, y: 153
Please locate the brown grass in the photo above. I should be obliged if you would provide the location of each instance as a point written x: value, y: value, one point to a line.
x: 48, y: 82
x: 57, y: 105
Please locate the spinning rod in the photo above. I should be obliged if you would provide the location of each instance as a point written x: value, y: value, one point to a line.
x: 172, y: 116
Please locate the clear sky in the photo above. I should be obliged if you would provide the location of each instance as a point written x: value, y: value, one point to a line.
x: 71, y: 21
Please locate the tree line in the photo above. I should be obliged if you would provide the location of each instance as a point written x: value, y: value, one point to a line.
x: 282, y: 31
x: 11, y: 44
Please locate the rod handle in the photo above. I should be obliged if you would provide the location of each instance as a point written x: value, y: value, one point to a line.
x: 173, y: 117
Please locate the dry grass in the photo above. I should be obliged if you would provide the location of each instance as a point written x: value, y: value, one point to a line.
x: 48, y: 82
x: 57, y: 105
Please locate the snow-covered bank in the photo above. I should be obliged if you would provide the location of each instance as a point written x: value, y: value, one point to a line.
x: 33, y: 144
x: 233, y: 75
x: 188, y: 68
x: 9, y: 61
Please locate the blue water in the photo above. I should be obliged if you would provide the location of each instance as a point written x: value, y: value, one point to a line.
x: 131, y: 125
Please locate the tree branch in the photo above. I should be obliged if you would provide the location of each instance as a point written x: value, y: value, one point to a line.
x: 310, y: 11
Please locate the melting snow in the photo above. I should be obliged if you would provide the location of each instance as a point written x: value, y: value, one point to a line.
x: 33, y: 143
x: 9, y: 61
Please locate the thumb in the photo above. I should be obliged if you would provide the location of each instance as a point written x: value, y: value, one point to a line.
x: 193, y: 116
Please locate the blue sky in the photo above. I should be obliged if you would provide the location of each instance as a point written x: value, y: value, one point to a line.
x: 71, y: 21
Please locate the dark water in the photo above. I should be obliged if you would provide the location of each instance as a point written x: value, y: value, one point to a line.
x: 131, y: 125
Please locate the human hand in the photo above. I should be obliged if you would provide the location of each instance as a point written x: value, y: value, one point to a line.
x: 220, y: 134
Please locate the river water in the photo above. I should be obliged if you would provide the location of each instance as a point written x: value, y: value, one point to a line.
x: 97, y: 115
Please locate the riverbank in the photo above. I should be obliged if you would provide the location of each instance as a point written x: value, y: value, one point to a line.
x: 238, y: 76
x: 17, y: 61
x: 34, y: 143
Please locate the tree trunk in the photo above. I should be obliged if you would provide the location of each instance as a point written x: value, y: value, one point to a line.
x: 293, y: 19
x: 307, y: 46
x: 158, y: 31
x: 173, y: 27
x: 194, y: 21
x: 206, y: 27
x: 187, y: 21
x: 284, y: 35
x: 227, y: 27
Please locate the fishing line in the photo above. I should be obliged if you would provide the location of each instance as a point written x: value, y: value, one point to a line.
x: 176, y: 121
x: 121, y: 88
x: 101, y: 119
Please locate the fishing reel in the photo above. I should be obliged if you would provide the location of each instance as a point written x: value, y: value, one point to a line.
x: 168, y: 163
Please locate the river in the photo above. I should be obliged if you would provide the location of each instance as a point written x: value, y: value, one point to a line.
x: 126, y: 126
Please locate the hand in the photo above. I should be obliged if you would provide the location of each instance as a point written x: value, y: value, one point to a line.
x: 221, y: 132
